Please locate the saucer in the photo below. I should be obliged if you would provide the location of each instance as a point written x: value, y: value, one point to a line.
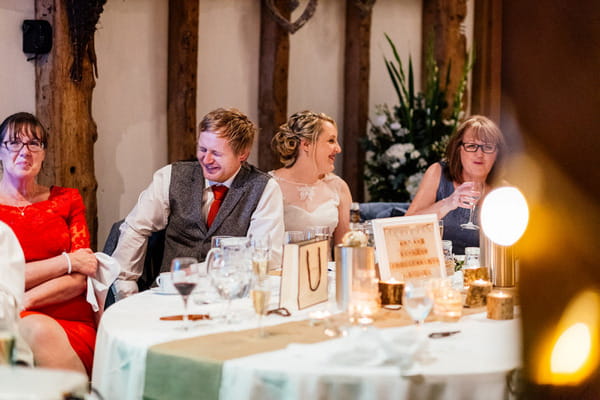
x: 157, y: 290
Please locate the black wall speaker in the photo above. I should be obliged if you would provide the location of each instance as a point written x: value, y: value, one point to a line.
x: 37, y: 36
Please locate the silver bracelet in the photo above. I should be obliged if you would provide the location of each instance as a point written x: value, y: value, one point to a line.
x: 70, y: 269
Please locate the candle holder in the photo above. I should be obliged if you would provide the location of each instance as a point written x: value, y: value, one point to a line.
x: 447, y: 304
x: 390, y: 293
x: 473, y: 274
x: 477, y: 292
x: 500, y: 305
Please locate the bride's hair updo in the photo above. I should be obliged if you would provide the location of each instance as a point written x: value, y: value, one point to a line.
x: 305, y: 125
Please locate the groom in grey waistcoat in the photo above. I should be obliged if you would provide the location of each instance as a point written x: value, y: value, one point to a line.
x: 220, y: 194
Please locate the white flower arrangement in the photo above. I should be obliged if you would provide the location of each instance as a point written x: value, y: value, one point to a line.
x: 403, y: 141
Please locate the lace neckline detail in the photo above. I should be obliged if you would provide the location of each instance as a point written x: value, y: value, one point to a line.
x: 306, y: 191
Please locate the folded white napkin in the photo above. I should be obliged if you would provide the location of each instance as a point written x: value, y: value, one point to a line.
x: 98, y: 285
x: 363, y: 348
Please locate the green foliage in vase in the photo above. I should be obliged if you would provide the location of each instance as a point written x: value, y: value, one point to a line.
x: 404, y: 140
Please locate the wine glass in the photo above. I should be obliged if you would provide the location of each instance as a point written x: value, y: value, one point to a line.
x: 184, y: 271
x: 230, y: 271
x: 261, y: 254
x: 260, y: 294
x: 417, y: 299
x: 473, y: 196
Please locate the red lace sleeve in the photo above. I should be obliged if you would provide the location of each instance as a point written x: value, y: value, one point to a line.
x: 78, y: 229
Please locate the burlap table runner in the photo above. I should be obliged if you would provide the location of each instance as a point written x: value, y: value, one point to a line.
x: 191, y: 368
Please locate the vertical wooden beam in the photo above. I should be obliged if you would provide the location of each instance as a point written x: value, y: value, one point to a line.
x: 65, y: 108
x: 356, y: 89
x: 273, y: 81
x: 182, y: 79
x: 443, y: 19
x: 486, y: 77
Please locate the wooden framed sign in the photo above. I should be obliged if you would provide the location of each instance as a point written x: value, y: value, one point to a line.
x: 409, y: 247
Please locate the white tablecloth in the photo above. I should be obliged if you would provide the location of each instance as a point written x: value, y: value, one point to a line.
x: 470, y: 365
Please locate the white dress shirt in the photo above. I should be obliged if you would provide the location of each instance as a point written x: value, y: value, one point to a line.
x: 151, y: 214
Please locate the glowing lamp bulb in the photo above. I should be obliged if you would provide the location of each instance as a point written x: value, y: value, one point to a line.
x: 504, y: 215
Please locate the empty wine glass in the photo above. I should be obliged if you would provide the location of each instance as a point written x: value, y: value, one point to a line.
x: 473, y: 197
x: 260, y: 294
x: 417, y: 299
x: 230, y: 271
x: 184, y: 271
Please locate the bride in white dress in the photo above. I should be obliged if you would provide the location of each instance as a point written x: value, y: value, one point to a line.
x: 313, y: 196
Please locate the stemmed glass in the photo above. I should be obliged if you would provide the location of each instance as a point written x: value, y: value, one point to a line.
x: 417, y: 299
x: 184, y: 271
x: 260, y: 294
x: 261, y: 254
x: 230, y: 271
x: 475, y: 194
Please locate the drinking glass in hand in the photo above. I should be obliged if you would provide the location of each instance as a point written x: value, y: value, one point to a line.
x: 473, y: 197
x: 184, y: 271
x: 260, y: 294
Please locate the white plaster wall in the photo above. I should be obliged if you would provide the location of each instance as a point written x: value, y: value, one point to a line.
x: 129, y: 104
x: 17, y: 75
x: 316, y: 72
x: 228, y: 52
x: 401, y: 20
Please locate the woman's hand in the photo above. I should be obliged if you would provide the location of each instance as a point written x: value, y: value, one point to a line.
x: 463, y: 196
x: 84, y: 261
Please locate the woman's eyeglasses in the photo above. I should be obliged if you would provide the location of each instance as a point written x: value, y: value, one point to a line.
x: 473, y: 147
x: 16, y: 146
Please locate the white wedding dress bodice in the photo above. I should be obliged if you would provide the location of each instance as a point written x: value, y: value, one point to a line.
x: 309, y: 205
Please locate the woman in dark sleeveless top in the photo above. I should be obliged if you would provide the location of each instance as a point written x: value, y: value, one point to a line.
x: 474, y: 154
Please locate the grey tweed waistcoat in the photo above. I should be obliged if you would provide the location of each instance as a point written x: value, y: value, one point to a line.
x: 187, y: 234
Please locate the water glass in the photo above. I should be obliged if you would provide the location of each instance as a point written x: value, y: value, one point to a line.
x: 215, y: 241
x: 293, y: 237
x: 319, y: 232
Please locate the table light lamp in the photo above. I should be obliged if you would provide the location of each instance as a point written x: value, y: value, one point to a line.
x: 504, y: 217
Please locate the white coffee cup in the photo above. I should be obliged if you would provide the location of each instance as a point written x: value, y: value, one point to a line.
x: 165, y: 282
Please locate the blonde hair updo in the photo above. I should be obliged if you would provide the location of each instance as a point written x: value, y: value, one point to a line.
x: 303, y: 125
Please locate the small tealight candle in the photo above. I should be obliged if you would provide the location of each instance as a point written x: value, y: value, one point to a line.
x: 477, y: 292
x: 390, y: 292
x: 500, y: 305
x: 318, y: 316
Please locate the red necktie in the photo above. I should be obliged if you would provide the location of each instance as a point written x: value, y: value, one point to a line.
x: 219, y: 191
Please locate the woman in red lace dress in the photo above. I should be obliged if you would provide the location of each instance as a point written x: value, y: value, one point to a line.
x: 57, y: 322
